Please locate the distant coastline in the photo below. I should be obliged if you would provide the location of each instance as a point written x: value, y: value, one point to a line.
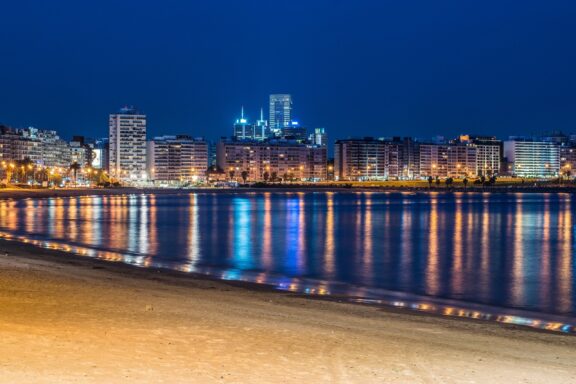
x: 24, y: 193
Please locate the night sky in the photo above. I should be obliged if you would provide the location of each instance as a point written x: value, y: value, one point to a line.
x: 356, y: 67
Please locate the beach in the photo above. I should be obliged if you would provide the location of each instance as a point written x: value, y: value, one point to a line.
x: 66, y: 318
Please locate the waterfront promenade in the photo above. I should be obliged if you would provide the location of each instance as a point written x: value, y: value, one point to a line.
x: 511, y: 185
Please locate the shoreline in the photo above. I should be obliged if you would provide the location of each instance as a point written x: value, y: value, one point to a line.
x: 411, y: 303
x: 100, y: 321
x: 18, y: 194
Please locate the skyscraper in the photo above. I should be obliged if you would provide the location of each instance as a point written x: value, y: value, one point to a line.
x: 127, y: 140
x: 280, y: 112
x: 244, y: 130
x: 318, y: 137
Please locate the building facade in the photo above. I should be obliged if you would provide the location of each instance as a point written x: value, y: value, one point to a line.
x: 272, y: 161
x: 568, y: 160
x: 43, y: 147
x: 489, y: 153
x: 433, y: 160
x: 177, y: 159
x: 127, y: 145
x: 367, y: 159
x: 532, y: 158
x: 280, y: 112
x: 244, y: 130
x: 319, y: 137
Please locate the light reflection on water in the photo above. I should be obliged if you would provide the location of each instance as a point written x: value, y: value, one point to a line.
x: 482, y: 251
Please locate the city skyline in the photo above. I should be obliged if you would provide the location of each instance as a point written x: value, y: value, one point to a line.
x: 418, y: 69
x: 252, y: 118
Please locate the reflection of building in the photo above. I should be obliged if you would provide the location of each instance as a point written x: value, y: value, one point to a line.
x: 531, y: 158
x: 177, y: 159
x: 280, y: 112
x: 274, y: 160
x: 127, y: 145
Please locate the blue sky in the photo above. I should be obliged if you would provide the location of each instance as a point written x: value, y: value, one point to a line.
x: 371, y: 68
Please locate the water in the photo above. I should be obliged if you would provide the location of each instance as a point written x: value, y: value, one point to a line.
x: 508, y: 257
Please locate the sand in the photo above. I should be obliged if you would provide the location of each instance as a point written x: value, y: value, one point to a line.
x: 69, y: 319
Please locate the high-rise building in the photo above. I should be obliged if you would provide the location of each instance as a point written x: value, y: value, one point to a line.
x: 261, y: 130
x: 127, y: 145
x: 280, y: 112
x: 318, y: 137
x: 532, y: 158
x: 244, y: 130
x: 294, y: 131
x: 177, y: 159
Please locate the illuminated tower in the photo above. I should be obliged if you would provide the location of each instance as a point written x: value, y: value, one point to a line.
x: 127, y: 144
x: 280, y: 112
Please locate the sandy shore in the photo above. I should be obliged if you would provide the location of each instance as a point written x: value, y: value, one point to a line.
x: 70, y: 319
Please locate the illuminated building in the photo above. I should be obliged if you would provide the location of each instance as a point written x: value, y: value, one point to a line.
x: 177, y: 159
x: 42, y: 147
x: 280, y: 112
x: 272, y: 160
x: 244, y: 130
x: 100, y: 154
x: 367, y: 159
x: 488, y: 153
x: 318, y: 137
x: 294, y: 132
x: 532, y: 158
x: 127, y: 145
x: 433, y: 160
x: 568, y: 160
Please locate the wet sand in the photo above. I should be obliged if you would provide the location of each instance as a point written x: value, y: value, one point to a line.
x: 72, y: 319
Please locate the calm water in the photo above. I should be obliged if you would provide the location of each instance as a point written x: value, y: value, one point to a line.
x: 513, y: 251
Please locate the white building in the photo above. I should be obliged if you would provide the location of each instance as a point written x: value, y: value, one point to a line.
x: 530, y: 158
x: 280, y: 112
x: 127, y: 140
